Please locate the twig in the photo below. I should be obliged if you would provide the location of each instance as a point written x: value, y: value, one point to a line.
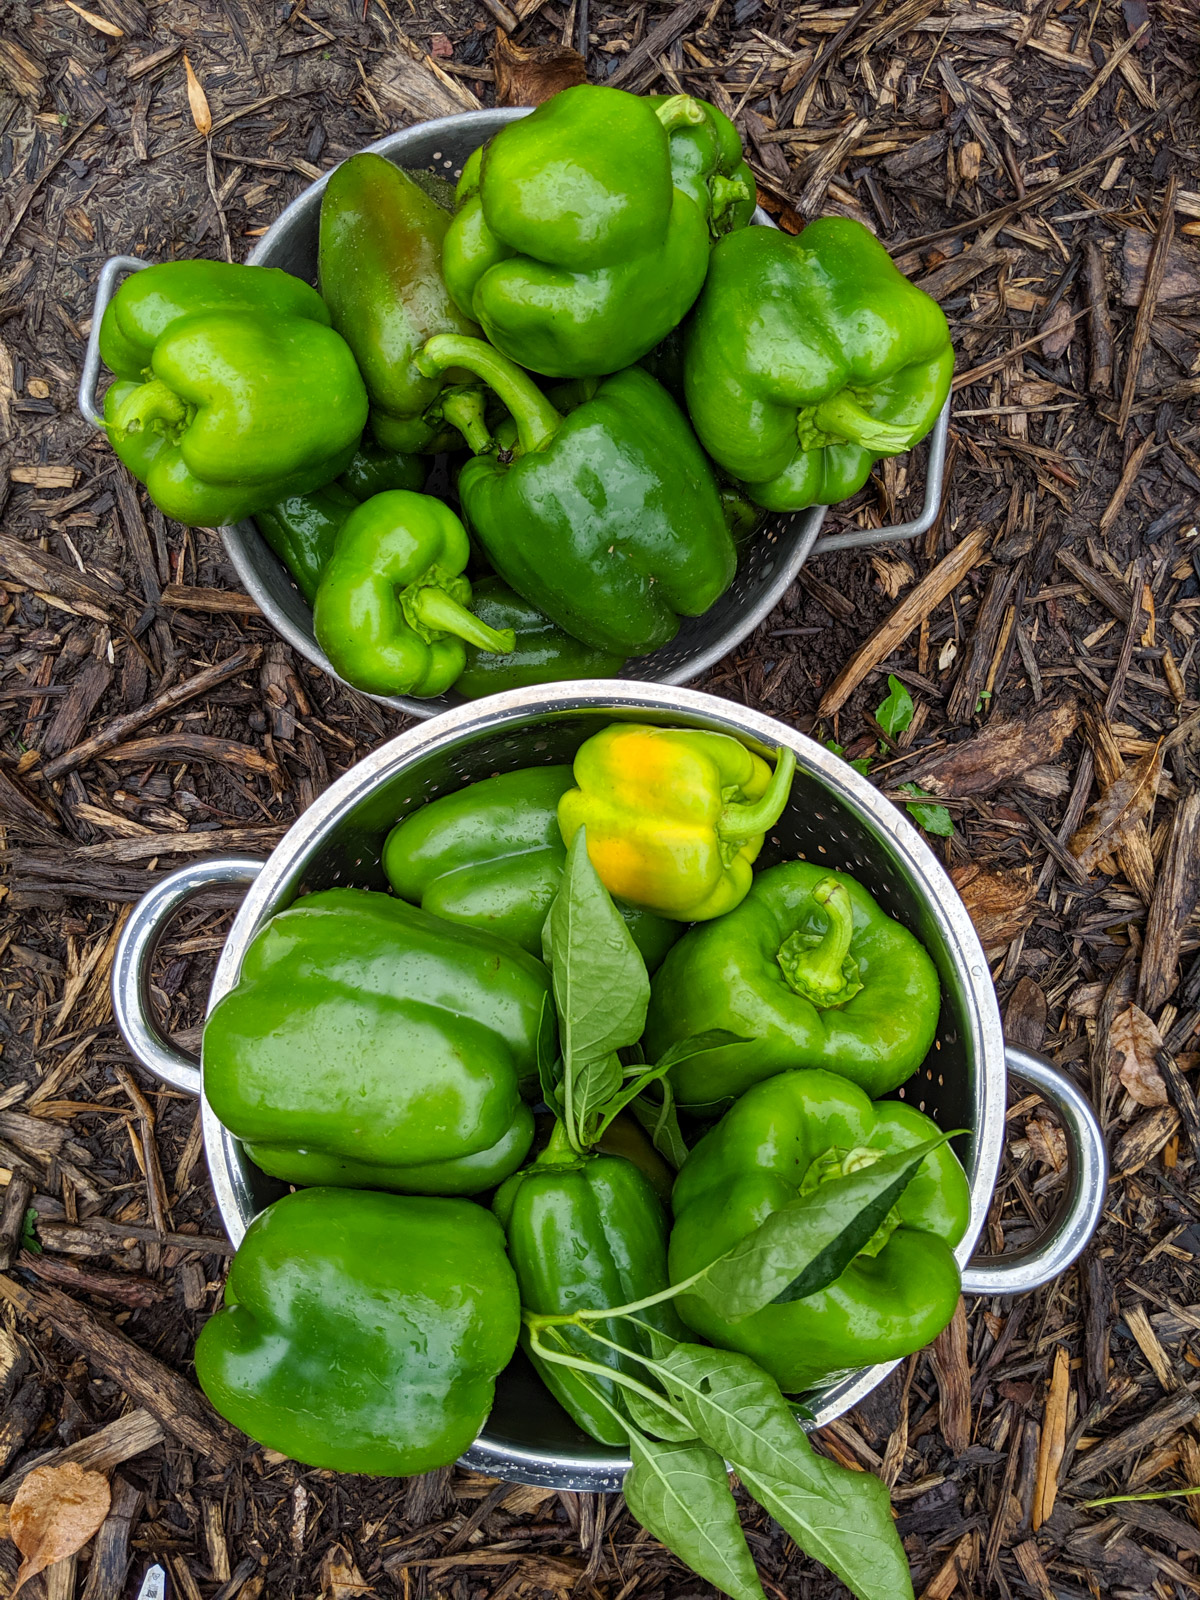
x: 1156, y: 271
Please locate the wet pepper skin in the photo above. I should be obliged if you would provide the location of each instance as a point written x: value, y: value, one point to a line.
x: 588, y: 1231
x: 755, y: 973
x: 367, y: 1033
x: 893, y: 1298
x: 363, y: 1332
x: 543, y: 653
x: 808, y: 358
x: 491, y: 856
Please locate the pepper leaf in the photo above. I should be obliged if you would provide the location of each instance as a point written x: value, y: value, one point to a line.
x: 661, y: 1121
x: 656, y: 1419
x: 896, y: 712
x: 805, y: 1246
x: 836, y: 1516
x: 547, y: 1059
x: 680, y: 1493
x: 934, y: 819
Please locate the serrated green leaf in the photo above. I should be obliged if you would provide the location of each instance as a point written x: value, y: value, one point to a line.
x: 680, y: 1493
x: 896, y: 712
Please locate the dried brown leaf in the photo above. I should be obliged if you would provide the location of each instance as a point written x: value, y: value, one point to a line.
x: 1047, y: 1143
x: 339, y: 1575
x: 1137, y: 1041
x: 526, y: 77
x: 1006, y: 748
x: 1110, y: 823
x: 197, y: 100
x: 101, y: 24
x: 54, y: 1513
x: 1000, y: 903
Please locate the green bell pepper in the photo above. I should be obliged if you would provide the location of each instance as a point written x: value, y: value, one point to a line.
x: 608, y: 519
x: 587, y: 1232
x: 543, y: 653
x: 809, y: 358
x: 374, y: 469
x: 811, y: 970
x: 780, y: 1141
x: 363, y: 1332
x: 243, y: 409
x: 380, y: 271
x: 675, y: 817
x: 709, y: 165
x: 391, y: 610
x: 572, y: 246
x: 491, y: 856
x: 365, y: 1031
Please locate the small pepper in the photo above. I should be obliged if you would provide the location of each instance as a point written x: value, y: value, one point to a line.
x: 543, y: 652
x: 811, y: 969
x: 391, y: 610
x: 363, y: 1332
x: 782, y: 1140
x: 491, y: 856
x: 709, y: 165
x: 675, y: 817
x: 608, y: 519
x: 808, y: 358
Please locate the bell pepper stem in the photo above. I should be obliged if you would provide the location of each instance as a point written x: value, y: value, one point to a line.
x: 150, y: 403
x: 561, y: 1358
x: 743, y: 819
x: 680, y: 111
x: 724, y: 192
x: 842, y: 416
x: 438, y: 611
x: 536, y: 419
x: 464, y: 409
x: 820, y: 967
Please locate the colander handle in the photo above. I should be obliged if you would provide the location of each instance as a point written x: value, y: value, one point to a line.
x: 115, y: 267
x: 140, y: 938
x: 1087, y: 1189
x: 898, y: 532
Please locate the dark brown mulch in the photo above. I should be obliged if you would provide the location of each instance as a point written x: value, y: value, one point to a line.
x: 1036, y: 168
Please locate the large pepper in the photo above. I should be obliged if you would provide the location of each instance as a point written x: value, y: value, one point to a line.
x: 780, y: 1141
x: 809, y: 357
x: 363, y: 1030
x: 380, y: 270
x: 709, y: 165
x: 543, y: 652
x: 588, y: 1232
x: 813, y: 971
x: 303, y: 529
x: 491, y: 856
x: 391, y: 610
x: 243, y: 409
x: 363, y: 1332
x: 572, y: 245
x: 607, y: 519
x: 675, y: 817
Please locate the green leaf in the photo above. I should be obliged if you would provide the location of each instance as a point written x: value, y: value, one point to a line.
x: 547, y: 1059
x: 661, y: 1122
x: 680, y: 1493
x: 863, y: 765
x: 836, y: 1516
x: 896, y: 712
x: 656, y: 1419
x: 934, y: 819
x: 805, y: 1246
x: 29, y: 1238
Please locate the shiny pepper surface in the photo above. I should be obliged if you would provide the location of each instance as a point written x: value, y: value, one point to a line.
x: 709, y: 165
x: 572, y: 246
x: 812, y: 970
x: 366, y: 1032
x: 675, y: 817
x: 782, y: 1139
x: 586, y: 1232
x: 543, y: 652
x: 808, y: 358
x: 363, y: 1332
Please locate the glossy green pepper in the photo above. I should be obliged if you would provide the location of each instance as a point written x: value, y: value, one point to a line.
x: 709, y: 165
x: 781, y: 1140
x: 588, y: 1232
x: 366, y: 1032
x: 813, y: 971
x: 543, y: 652
x: 491, y: 856
x: 572, y: 246
x: 809, y: 357
x: 243, y: 409
x: 363, y: 1332
x: 391, y: 610
x: 380, y: 271
x: 675, y: 817
x: 607, y: 519
x: 374, y: 469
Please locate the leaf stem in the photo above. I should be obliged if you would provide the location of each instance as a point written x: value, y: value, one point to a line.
x: 610, y: 1374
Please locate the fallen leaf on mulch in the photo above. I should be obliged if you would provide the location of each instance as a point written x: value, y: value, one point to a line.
x: 339, y: 1575
x: 527, y: 77
x: 1137, y: 1041
x: 1000, y: 903
x: 197, y: 100
x: 54, y: 1513
x: 1047, y: 1143
x: 1121, y: 806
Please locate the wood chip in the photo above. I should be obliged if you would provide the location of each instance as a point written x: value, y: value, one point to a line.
x: 952, y: 1369
x: 1121, y: 807
x: 527, y: 76
x: 129, y: 1436
x: 1005, y: 749
x: 1053, y: 1439
x: 1176, y: 890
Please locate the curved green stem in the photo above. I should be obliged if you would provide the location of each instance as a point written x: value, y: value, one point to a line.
x: 611, y: 1374
x: 536, y: 419
x: 464, y: 409
x: 743, y: 820
x: 842, y: 416
x: 680, y: 111
x: 433, y: 608
x: 819, y: 967
x: 150, y: 403
x: 724, y: 192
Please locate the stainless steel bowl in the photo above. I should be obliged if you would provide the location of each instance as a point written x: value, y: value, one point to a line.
x: 834, y: 815
x: 765, y: 569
